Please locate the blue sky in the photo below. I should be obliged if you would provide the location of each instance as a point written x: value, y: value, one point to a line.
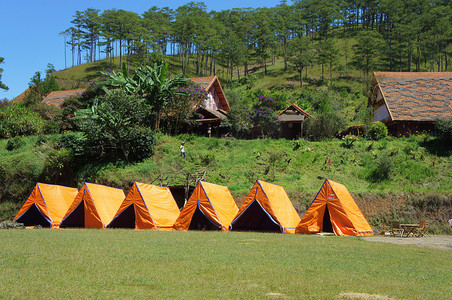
x: 29, y: 31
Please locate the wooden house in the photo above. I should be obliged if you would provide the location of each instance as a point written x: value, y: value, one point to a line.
x: 291, y: 122
x: 409, y: 102
x: 214, y: 108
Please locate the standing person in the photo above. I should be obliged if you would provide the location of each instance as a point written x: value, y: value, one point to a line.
x: 182, y: 149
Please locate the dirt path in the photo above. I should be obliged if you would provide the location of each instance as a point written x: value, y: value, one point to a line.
x: 434, y: 241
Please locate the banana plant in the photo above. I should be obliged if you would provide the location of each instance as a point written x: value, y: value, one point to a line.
x: 149, y: 83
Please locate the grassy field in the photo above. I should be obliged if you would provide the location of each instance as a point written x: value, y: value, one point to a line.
x: 86, y: 264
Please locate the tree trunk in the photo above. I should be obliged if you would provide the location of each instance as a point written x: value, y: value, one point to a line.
x: 120, y: 52
x: 232, y: 68
x: 410, y: 58
x: 211, y: 64
x: 301, y: 77
x: 331, y: 75
x: 418, y: 58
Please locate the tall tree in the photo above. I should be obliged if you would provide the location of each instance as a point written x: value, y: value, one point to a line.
x: 263, y: 35
x: 158, y: 22
x: 189, y: 18
x: 327, y: 53
x: 301, y: 55
x: 284, y: 25
x: 367, y: 50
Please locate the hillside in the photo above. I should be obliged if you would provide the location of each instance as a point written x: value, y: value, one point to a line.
x: 419, y: 184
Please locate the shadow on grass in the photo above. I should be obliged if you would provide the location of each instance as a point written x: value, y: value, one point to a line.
x: 438, y: 147
x: 93, y: 72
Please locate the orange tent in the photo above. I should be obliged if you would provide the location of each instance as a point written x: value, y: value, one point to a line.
x: 46, y: 205
x: 333, y: 210
x: 146, y: 207
x: 210, y: 207
x: 94, y: 206
x: 266, y: 208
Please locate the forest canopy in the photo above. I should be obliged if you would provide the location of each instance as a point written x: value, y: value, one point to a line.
x: 409, y: 35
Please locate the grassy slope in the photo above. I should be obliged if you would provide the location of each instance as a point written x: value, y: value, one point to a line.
x: 136, y: 264
x: 275, y: 74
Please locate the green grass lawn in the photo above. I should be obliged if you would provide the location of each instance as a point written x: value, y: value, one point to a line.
x: 74, y: 264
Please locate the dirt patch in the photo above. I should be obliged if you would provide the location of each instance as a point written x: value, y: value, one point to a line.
x: 435, y: 241
x: 276, y: 295
x: 362, y: 296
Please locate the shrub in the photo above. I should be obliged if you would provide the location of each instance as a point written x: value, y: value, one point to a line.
x: 349, y: 139
x: 51, y: 127
x: 325, y: 125
x: 41, y: 140
x: 17, y: 120
x: 263, y: 116
x: 377, y: 131
x: 382, y: 169
x: 444, y: 129
x: 208, y: 159
x: 113, y: 130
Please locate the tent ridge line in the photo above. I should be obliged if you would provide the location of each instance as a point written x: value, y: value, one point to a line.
x: 142, y: 199
x: 95, y: 208
x: 207, y: 196
x: 199, y: 207
x: 47, y: 207
x: 17, y: 217
x: 83, y: 197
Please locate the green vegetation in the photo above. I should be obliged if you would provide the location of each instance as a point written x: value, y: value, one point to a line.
x: 201, y: 265
x: 391, y: 178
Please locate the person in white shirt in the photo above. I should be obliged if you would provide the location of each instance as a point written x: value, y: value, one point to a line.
x: 182, y: 149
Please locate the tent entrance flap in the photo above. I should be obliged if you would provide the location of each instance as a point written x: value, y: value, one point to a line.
x: 125, y: 220
x: 327, y: 226
x: 200, y: 222
x: 254, y: 218
x: 76, y: 218
x: 32, y: 217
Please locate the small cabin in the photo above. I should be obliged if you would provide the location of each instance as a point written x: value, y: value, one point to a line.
x: 214, y: 108
x: 291, y: 122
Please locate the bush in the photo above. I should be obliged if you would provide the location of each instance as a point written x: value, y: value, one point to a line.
x: 325, y: 125
x: 18, y: 120
x: 377, y: 131
x: 113, y: 131
x: 444, y: 130
x: 51, y: 127
x: 14, y: 143
x: 382, y: 169
x: 142, y: 143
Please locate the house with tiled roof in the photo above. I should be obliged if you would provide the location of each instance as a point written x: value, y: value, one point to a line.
x: 291, y: 122
x: 214, y: 108
x: 56, y: 98
x: 409, y: 102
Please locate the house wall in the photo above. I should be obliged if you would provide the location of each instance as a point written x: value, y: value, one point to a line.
x: 405, y: 128
x: 381, y: 114
x: 212, y: 101
x: 290, y: 132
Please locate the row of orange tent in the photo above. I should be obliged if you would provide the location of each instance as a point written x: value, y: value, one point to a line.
x: 210, y: 207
